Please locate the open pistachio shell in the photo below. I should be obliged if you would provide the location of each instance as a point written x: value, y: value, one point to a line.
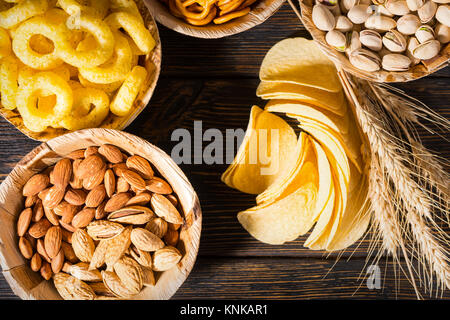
x: 414, y: 5
x: 323, y: 18
x: 427, y: 50
x: 397, y: 7
x: 343, y: 24
x: 408, y: 24
x: 394, y: 41
x: 424, y: 33
x: 365, y: 60
x: 359, y: 13
x: 395, y: 62
x: 371, y: 39
x: 380, y: 23
x: 336, y: 39
x: 427, y: 11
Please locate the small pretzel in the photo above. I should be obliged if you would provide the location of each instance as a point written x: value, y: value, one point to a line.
x: 232, y: 15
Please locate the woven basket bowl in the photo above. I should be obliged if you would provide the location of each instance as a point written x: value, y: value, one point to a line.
x: 30, y: 285
x: 152, y: 62
x: 341, y: 60
x: 260, y: 12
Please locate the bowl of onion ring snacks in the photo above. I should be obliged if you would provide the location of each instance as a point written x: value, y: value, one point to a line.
x: 72, y: 64
x: 212, y: 18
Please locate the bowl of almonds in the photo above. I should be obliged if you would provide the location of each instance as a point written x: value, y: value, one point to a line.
x: 381, y: 40
x: 98, y: 214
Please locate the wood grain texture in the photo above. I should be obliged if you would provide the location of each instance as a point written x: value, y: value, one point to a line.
x: 215, y: 81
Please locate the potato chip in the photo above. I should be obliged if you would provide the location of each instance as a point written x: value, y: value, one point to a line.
x: 300, y: 61
x: 265, y: 153
x: 332, y: 101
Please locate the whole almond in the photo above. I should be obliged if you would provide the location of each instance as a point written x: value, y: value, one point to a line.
x: 140, y: 200
x: 134, y: 179
x: 53, y: 197
x: 83, y: 218
x: 117, y: 202
x: 174, y: 226
x: 66, y: 235
x: 46, y: 270
x: 119, y: 168
x: 24, y: 221
x: 110, y: 182
x: 129, y: 273
x: 96, y: 196
x: 158, y: 185
x: 66, y: 226
x: 51, y: 216
x: 36, y: 262
x: 71, y: 288
x: 62, y: 207
x: 113, y: 283
x: 142, y: 257
x: 103, y: 230
x: 157, y: 226
x: 141, y: 166
x: 36, y: 184
x: 165, y: 209
x: 62, y: 173
x: 69, y: 213
x: 99, y: 256
x: 31, y: 201
x: 75, y: 181
x: 145, y: 240
x: 31, y: 240
x: 122, y: 185
x: 82, y: 272
x: 39, y: 229
x: 117, y: 247
x: 111, y: 153
x: 38, y: 211
x: 166, y: 258
x: 148, y: 277
x: 90, y: 151
x: 52, y: 241
x: 83, y: 245
x: 25, y: 248
x: 100, y: 212
x: 75, y: 197
x: 58, y: 261
x: 171, y: 237
x: 172, y: 199
x: 43, y: 193
x: 40, y: 248
x: 69, y: 254
x: 77, y: 154
x: 90, y: 166
x: 136, y: 215
x: 94, y: 180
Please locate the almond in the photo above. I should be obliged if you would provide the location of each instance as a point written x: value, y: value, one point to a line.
x: 24, y: 221
x: 129, y: 273
x: 94, y: 180
x: 43, y: 193
x: 110, y: 182
x: 140, y: 200
x: 119, y: 168
x: 145, y: 240
x: 52, y: 241
x: 58, y: 261
x: 69, y: 254
x: 40, y: 247
x: 31, y: 201
x: 158, y: 185
x: 36, y: 184
x: 96, y: 196
x: 62, y: 173
x: 90, y: 151
x: 171, y: 237
x: 117, y: 202
x: 66, y: 226
x: 46, y: 271
x: 36, y: 262
x: 122, y: 185
x: 117, y: 247
x: 69, y: 213
x: 71, y: 288
x: 134, y: 179
x: 142, y: 257
x: 141, y: 166
x: 136, y: 215
x: 166, y: 258
x: 103, y: 230
x: 53, y: 197
x: 100, y: 212
x: 83, y: 245
x: 66, y: 235
x: 90, y: 166
x: 81, y: 271
x: 157, y: 226
x: 165, y: 209
x: 111, y: 153
x: 25, y: 248
x: 77, y: 154
x: 172, y: 199
x: 38, y: 211
x: 83, y: 218
x: 39, y: 229
x: 75, y: 197
x: 99, y: 256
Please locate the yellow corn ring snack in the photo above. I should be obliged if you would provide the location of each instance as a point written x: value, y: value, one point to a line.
x: 126, y: 6
x: 23, y: 50
x: 135, y: 29
x: 5, y: 43
x: 92, y: 58
x: 124, y: 100
x: 9, y: 72
x: 114, y: 70
x: 107, y: 87
x: 22, y: 11
x: 97, y: 8
x: 44, y: 84
x: 82, y: 116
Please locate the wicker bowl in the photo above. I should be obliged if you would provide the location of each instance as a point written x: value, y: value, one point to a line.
x: 261, y: 11
x: 340, y: 59
x: 152, y: 62
x: 30, y: 285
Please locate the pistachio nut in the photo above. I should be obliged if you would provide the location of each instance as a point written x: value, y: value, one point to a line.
x: 414, y: 5
x: 395, y: 62
x: 424, y: 33
x: 380, y: 23
x: 365, y: 60
x: 408, y: 24
x: 343, y: 24
x: 353, y: 42
x: 427, y: 11
x: 359, y: 13
x: 336, y: 39
x: 443, y: 15
x: 394, y: 41
x: 383, y: 11
x: 397, y: 7
x: 346, y: 5
x: 412, y: 44
x: 442, y: 33
x: 371, y: 39
x: 323, y: 18
x: 427, y: 50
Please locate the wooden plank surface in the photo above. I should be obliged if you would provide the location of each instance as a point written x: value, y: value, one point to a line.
x: 215, y: 81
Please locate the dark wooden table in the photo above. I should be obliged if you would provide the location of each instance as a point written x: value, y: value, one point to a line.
x: 215, y: 81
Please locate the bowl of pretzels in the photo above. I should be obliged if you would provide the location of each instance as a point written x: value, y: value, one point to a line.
x: 212, y: 19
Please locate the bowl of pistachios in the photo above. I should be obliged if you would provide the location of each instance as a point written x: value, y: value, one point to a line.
x: 382, y: 40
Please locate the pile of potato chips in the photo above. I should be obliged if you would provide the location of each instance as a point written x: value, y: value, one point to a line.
x: 317, y: 180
